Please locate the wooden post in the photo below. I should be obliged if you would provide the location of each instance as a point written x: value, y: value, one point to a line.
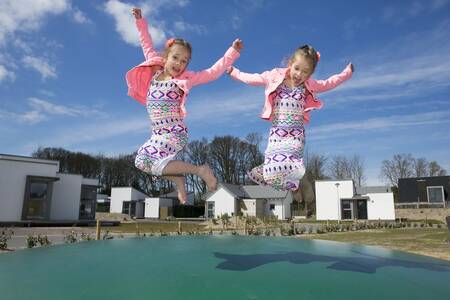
x: 97, y: 235
x: 179, y: 227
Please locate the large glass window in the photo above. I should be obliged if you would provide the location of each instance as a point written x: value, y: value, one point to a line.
x: 126, y: 207
x: 210, y: 209
x: 88, y: 202
x: 37, y: 198
x: 347, y: 209
x: 435, y: 194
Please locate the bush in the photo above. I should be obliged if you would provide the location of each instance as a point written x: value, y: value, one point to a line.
x: 32, y: 241
x: 43, y: 240
x: 5, y: 235
x: 71, y: 237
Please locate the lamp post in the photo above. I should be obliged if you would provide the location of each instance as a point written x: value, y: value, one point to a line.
x: 337, y: 184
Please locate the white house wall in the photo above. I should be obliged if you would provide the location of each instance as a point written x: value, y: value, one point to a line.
x: 152, y: 206
x: 122, y: 194
x: 118, y: 195
x: 224, y: 203
x: 328, y: 198
x: 249, y: 208
x: 380, y: 206
x: 13, y: 177
x: 66, y: 197
x: 282, y: 208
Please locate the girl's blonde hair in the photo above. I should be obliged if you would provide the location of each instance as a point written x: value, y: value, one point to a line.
x: 309, y: 53
x: 171, y: 42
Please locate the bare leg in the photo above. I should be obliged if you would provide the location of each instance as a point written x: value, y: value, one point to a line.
x: 178, y: 167
x: 180, y: 183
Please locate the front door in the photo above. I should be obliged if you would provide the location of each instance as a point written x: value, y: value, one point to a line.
x: 361, y: 206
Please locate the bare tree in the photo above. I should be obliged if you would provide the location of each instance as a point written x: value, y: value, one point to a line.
x: 197, y: 153
x: 340, y: 167
x: 357, y: 170
x: 400, y: 166
x: 420, y: 167
x: 436, y: 170
x: 224, y: 156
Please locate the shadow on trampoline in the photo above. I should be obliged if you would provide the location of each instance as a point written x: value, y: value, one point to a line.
x: 362, y: 264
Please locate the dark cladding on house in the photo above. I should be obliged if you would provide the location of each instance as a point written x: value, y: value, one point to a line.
x: 424, y: 191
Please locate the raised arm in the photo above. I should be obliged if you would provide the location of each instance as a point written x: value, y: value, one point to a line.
x: 144, y: 36
x: 248, y: 78
x: 216, y: 70
x: 333, y: 81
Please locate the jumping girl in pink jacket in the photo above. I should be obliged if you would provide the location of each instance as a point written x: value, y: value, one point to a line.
x: 290, y: 94
x: 162, y: 83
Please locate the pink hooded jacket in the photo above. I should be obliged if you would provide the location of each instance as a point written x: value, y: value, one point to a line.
x: 139, y: 78
x: 273, y: 78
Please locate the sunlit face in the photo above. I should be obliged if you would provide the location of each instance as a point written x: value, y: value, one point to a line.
x: 177, y: 60
x: 300, y: 68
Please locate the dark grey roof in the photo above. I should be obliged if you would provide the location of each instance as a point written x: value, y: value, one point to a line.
x: 252, y: 191
x: 372, y: 189
x: 173, y: 194
x: 234, y: 189
x: 266, y: 192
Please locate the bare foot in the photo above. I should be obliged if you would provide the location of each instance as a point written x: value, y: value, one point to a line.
x: 181, y: 187
x: 208, y: 177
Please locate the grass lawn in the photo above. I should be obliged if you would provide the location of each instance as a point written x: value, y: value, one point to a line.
x: 153, y: 227
x: 424, y: 241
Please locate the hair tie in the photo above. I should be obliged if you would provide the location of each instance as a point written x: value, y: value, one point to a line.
x: 318, y: 55
x: 170, y: 42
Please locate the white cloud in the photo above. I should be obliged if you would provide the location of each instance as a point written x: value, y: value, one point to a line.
x: 91, y: 132
x: 383, y: 123
x: 409, y: 67
x: 41, y: 110
x: 438, y: 4
x: 125, y: 24
x: 182, y: 26
x: 56, y: 109
x: 32, y: 117
x: 236, y: 21
x: 399, y: 14
x: 152, y: 11
x: 5, y: 74
x: 80, y: 17
x: 27, y: 15
x: 40, y: 65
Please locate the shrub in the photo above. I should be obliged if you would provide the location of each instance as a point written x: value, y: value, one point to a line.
x: 32, y: 241
x: 5, y: 235
x: 43, y: 240
x: 71, y: 237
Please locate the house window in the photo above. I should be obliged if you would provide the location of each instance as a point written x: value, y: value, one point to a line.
x: 126, y: 207
x: 37, y: 198
x: 347, y: 209
x: 211, y: 209
x: 435, y: 194
x: 272, y: 207
x: 88, y: 202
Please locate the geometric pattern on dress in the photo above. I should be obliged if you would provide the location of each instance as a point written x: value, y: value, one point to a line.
x: 169, y: 133
x: 283, y: 159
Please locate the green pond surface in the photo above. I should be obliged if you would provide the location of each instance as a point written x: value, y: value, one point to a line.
x: 220, y: 267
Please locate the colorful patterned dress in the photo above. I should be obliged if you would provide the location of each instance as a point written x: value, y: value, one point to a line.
x: 283, y: 159
x: 169, y: 133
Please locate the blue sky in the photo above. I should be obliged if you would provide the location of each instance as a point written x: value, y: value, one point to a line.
x: 62, y: 67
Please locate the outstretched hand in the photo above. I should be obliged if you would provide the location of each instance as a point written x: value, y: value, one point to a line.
x: 238, y: 45
x: 136, y: 13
